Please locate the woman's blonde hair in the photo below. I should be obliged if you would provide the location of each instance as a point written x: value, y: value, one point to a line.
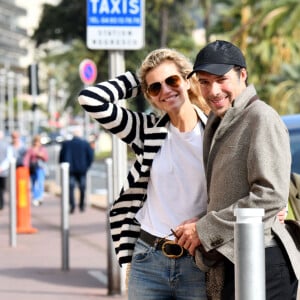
x: 184, y: 66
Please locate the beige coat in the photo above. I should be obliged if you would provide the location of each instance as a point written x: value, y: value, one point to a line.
x: 247, y: 160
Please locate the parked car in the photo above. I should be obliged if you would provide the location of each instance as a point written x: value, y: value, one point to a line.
x: 293, y: 124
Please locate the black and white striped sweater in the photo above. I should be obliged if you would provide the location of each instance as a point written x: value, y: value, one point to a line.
x: 144, y: 133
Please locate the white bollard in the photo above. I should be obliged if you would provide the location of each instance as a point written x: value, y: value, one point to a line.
x: 64, y: 169
x: 249, y: 252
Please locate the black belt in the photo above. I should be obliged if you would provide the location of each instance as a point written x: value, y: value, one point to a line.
x: 169, y: 248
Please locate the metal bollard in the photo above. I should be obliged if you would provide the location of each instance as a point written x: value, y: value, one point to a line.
x: 13, y: 203
x: 249, y: 252
x: 113, y: 269
x: 64, y: 168
x: 2, y: 97
x: 88, y: 188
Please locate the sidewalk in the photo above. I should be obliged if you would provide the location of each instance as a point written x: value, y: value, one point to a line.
x: 33, y: 269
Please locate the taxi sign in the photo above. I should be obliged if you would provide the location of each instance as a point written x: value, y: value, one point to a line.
x: 115, y: 24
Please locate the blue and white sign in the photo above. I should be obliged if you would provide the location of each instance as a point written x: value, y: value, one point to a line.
x: 115, y: 24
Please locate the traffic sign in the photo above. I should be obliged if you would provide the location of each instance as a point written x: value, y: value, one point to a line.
x: 115, y: 25
x: 87, y: 71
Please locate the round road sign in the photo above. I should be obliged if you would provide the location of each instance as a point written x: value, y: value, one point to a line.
x: 87, y: 71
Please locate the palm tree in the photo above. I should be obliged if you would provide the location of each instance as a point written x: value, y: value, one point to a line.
x: 267, y: 32
x: 285, y: 92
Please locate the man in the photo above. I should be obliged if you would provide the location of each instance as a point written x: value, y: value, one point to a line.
x: 79, y: 154
x: 247, y: 163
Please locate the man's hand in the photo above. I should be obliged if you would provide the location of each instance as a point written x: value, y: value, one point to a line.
x: 187, y: 237
x: 192, y: 220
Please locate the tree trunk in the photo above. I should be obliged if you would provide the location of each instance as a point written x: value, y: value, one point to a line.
x: 164, y: 19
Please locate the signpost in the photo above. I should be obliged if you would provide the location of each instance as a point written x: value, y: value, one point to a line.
x: 88, y: 75
x: 88, y: 71
x: 116, y: 25
x: 34, y: 90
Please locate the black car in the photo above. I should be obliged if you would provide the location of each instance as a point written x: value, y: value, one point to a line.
x: 293, y: 124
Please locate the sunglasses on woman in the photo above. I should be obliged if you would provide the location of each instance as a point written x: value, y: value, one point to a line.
x: 155, y: 88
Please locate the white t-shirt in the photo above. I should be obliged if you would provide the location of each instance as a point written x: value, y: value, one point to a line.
x: 177, y: 186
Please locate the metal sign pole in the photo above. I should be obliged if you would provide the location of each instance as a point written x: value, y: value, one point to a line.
x: 2, y: 99
x: 52, y: 101
x: 119, y: 150
x: 10, y: 93
x: 21, y: 125
x: 34, y: 91
x: 113, y: 268
x: 86, y: 123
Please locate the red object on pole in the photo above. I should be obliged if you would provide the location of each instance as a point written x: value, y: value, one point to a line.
x: 23, y: 201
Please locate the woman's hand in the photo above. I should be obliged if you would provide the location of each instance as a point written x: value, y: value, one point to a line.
x: 282, y: 215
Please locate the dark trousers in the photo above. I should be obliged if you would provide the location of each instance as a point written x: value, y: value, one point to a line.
x: 2, y: 191
x: 80, y: 180
x: 281, y: 282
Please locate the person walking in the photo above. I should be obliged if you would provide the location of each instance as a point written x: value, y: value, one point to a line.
x: 80, y: 155
x: 6, y: 155
x: 35, y: 159
x: 19, y: 149
x: 247, y: 162
x: 166, y: 185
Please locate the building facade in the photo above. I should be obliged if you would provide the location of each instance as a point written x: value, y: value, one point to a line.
x: 11, y: 35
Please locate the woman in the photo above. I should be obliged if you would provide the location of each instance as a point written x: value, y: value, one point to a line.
x: 166, y: 184
x: 35, y: 159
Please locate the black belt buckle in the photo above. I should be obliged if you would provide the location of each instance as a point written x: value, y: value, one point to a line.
x: 171, y: 249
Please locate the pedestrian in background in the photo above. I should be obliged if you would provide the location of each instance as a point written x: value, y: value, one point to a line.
x: 166, y: 185
x: 80, y: 155
x: 19, y: 149
x: 35, y: 159
x: 6, y: 155
x: 247, y: 162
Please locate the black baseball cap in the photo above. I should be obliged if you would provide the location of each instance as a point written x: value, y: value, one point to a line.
x: 218, y: 58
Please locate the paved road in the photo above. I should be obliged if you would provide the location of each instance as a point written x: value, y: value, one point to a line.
x: 34, y: 268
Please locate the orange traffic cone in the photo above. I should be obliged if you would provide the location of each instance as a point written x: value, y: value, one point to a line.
x: 23, y: 201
